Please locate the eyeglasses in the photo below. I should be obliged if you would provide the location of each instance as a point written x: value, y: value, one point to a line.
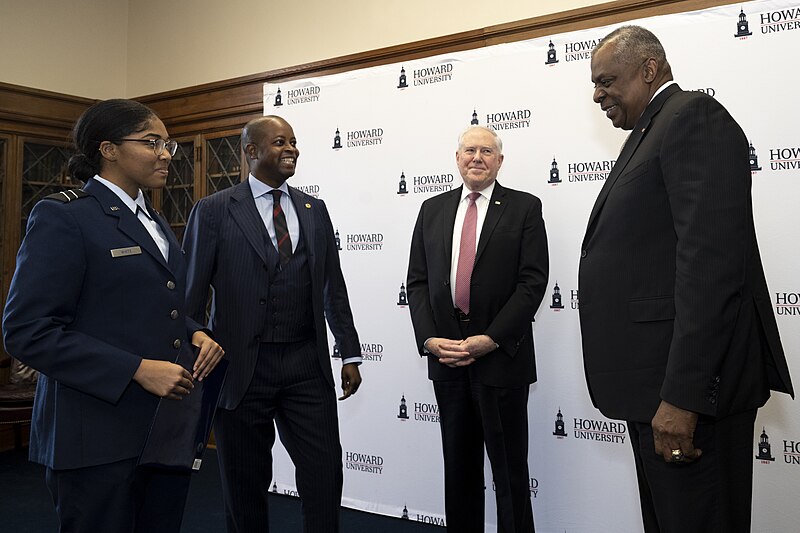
x: 157, y: 144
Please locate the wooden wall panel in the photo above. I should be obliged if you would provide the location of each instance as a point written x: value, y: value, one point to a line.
x: 36, y: 112
x: 26, y: 113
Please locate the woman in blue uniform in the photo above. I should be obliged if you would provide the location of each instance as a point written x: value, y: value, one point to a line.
x: 97, y: 306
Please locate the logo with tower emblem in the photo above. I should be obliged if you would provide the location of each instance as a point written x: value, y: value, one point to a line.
x: 551, y: 54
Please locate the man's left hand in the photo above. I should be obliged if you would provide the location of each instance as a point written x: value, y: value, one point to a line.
x: 673, y: 434
x: 351, y: 380
x: 478, y: 345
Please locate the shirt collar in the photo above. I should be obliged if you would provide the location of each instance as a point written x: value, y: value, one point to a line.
x: 486, y: 193
x: 127, y: 200
x: 661, y: 89
x: 260, y: 188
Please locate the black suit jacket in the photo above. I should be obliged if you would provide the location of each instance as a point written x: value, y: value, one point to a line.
x: 508, y: 283
x: 225, y: 247
x: 673, y: 300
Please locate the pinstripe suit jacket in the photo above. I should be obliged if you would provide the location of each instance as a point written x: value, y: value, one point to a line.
x: 225, y: 246
x: 673, y: 299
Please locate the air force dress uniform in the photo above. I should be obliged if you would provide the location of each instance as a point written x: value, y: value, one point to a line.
x: 91, y: 296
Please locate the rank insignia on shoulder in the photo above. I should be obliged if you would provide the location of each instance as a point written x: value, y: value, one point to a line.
x: 67, y: 196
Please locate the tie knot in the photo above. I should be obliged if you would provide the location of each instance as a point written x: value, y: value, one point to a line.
x: 276, y: 194
x: 473, y: 196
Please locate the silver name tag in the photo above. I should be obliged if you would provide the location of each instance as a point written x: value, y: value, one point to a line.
x: 122, y: 252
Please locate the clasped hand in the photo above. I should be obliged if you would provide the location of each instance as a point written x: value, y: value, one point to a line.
x: 455, y: 353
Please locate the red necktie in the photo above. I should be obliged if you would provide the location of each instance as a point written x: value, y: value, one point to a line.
x: 466, y: 254
x: 281, y: 228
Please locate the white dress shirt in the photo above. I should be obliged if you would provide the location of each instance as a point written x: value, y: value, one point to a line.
x: 262, y: 194
x: 482, y: 204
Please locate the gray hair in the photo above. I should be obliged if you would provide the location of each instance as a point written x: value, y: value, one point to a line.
x: 497, y: 140
x: 633, y: 45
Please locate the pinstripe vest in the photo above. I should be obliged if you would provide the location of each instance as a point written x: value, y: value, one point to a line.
x: 290, y: 317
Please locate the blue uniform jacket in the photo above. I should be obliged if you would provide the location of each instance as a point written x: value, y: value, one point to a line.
x: 91, y: 296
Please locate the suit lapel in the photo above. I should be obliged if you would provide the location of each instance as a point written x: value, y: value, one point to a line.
x: 448, y: 219
x: 127, y: 222
x: 638, y: 133
x: 243, y: 210
x: 497, y: 204
x: 305, y: 216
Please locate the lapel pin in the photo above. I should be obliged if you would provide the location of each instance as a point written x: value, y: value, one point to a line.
x: 497, y: 202
x: 308, y: 206
x: 114, y: 208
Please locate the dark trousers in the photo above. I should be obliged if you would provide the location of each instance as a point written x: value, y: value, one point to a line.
x: 290, y: 391
x: 118, y: 497
x: 473, y: 415
x: 711, y: 495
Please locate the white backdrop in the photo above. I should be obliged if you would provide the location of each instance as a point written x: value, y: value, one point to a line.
x: 402, y: 120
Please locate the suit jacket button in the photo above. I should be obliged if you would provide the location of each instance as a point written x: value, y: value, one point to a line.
x: 173, y: 314
x: 176, y: 343
x: 583, y: 253
x: 170, y: 285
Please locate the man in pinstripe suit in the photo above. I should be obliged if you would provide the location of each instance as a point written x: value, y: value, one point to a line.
x: 268, y: 253
x: 679, y: 337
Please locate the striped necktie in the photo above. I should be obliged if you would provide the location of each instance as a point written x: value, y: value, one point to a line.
x: 281, y: 228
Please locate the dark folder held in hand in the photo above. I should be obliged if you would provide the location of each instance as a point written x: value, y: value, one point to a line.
x: 181, y: 428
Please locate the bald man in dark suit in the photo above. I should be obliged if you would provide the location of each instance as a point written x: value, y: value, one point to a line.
x: 269, y: 253
x: 679, y: 337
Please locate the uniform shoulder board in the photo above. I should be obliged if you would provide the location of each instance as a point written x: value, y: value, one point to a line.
x: 67, y: 196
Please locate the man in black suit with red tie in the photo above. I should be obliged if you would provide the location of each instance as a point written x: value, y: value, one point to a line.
x: 679, y: 337
x: 476, y: 276
x: 269, y: 253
